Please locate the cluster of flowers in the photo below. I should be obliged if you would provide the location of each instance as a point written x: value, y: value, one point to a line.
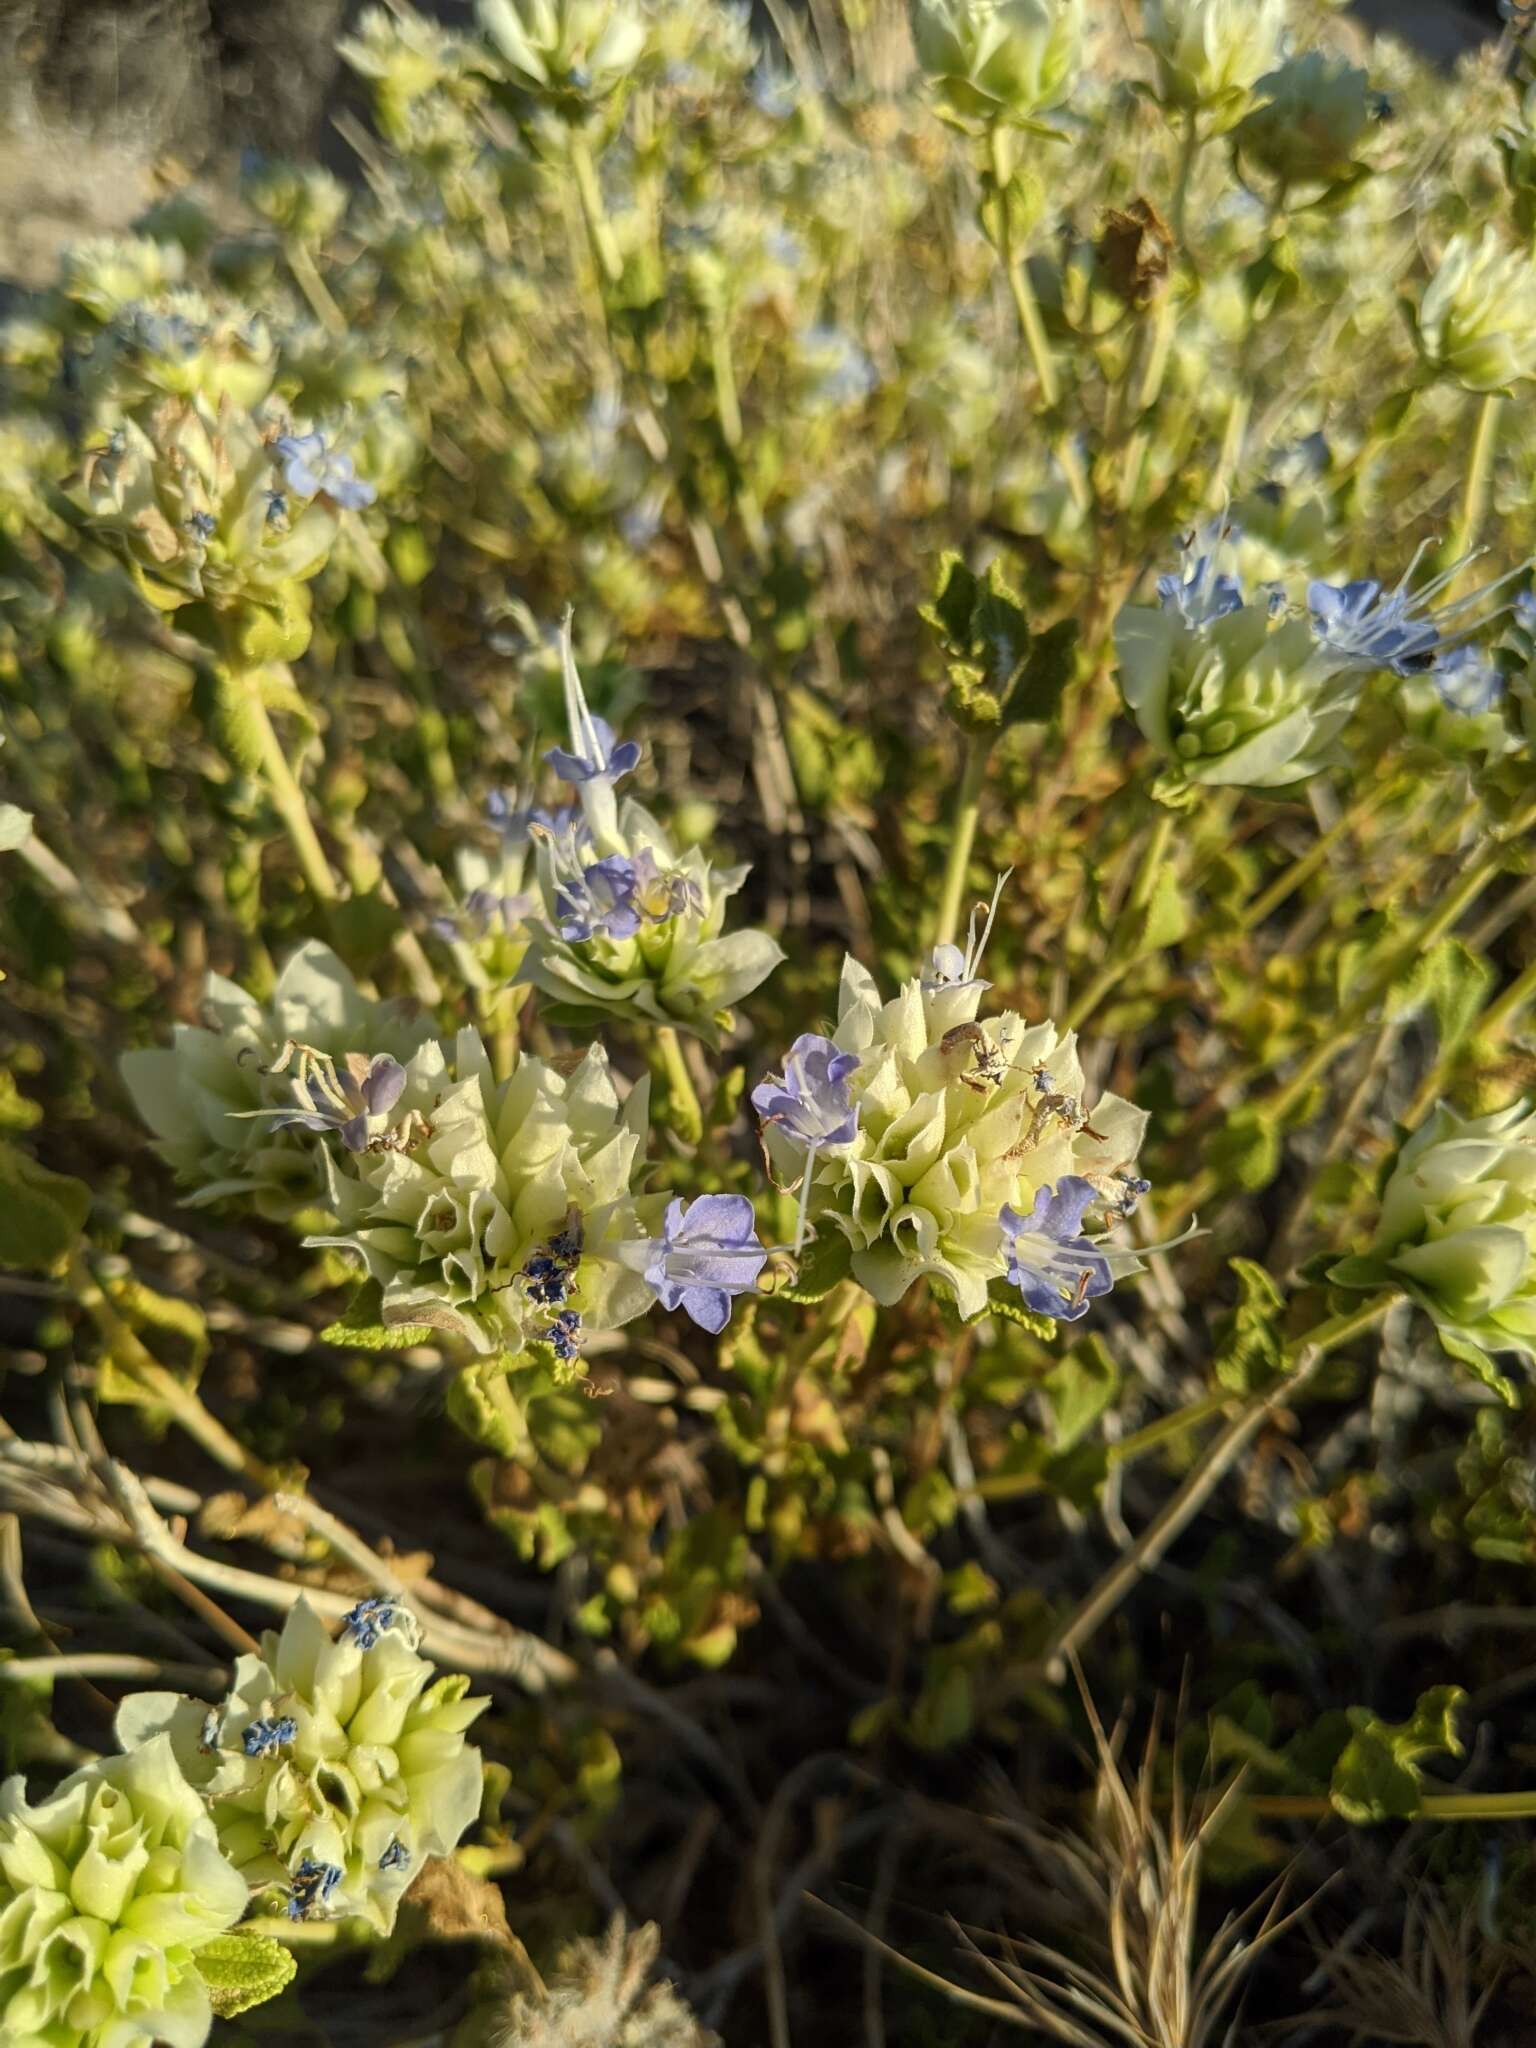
x: 316, y: 1788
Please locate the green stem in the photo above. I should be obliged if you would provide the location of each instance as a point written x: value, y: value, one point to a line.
x: 1287, y: 883
x: 1479, y: 486
x: 1301, y: 1360
x: 727, y: 400
x: 309, y: 281
x: 1017, y: 272
x: 683, y: 1103
x: 1432, y: 1806
x: 180, y: 1401
x: 962, y: 838
x: 288, y: 799
x: 599, y: 230
x: 1128, y: 927
x: 1168, y: 1428
x: 1189, y: 150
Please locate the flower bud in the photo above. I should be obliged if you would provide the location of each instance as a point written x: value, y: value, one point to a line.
x: 999, y: 60
x: 1476, y: 323
x: 1210, y: 52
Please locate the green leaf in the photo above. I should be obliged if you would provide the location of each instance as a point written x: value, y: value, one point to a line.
x: 361, y: 1326
x: 1246, y: 1150
x: 1358, y: 1271
x: 1079, y: 1387
x: 1002, y: 1301
x: 1377, y: 1777
x: 484, y: 1407
x: 985, y: 640
x: 41, y: 1213
x: 244, y: 1969
x: 1166, y: 918
x: 1049, y: 667
x: 1250, y: 1351
x: 826, y: 1261
x: 1455, y: 1345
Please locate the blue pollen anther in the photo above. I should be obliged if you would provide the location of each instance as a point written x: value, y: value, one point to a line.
x: 265, y: 1738
x: 367, y: 1621
x: 312, y: 1886
x: 396, y: 1856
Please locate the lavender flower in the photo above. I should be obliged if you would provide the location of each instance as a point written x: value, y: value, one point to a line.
x: 342, y: 1099
x: 1056, y: 1269
x: 600, y: 902
x: 310, y: 470
x: 1367, y: 628
x: 600, y: 756
x: 1198, y: 591
x: 1467, y: 679
x: 811, y: 1103
x: 708, y: 1252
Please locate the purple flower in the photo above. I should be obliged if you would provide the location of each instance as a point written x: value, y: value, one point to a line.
x: 600, y: 756
x: 343, y: 1099
x: 600, y: 902
x: 663, y: 893
x: 1467, y: 680
x: 811, y: 1103
x: 708, y: 1251
x: 311, y: 471
x: 517, y: 822
x: 1056, y: 1269
x: 1198, y: 592
x: 1371, y: 628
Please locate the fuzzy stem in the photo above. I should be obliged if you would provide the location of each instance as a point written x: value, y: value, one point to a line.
x: 1168, y: 1428
x: 288, y: 800
x: 1188, y: 151
x: 962, y: 837
x: 599, y: 230
x: 309, y: 281
x: 1303, y: 1357
x: 1479, y: 485
x: 1016, y: 271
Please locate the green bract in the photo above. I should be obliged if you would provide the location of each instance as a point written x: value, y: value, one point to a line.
x: 327, y: 1754
x: 1476, y: 323
x: 1210, y: 52
x: 956, y: 1120
x: 1458, y: 1227
x: 495, y: 1171
x: 1241, y: 699
x: 108, y: 1888
x: 991, y: 60
x: 198, y: 1093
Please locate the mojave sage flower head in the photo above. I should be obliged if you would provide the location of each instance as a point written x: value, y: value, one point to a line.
x: 1210, y: 53
x: 1231, y: 691
x: 1476, y: 322
x: 217, y: 1098
x: 108, y: 1888
x: 499, y: 1213
x: 999, y: 60
x: 572, y: 52
x: 332, y: 1768
x: 630, y: 926
x: 939, y: 1123
x: 1458, y: 1227
x: 1312, y: 112
x: 187, y: 497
